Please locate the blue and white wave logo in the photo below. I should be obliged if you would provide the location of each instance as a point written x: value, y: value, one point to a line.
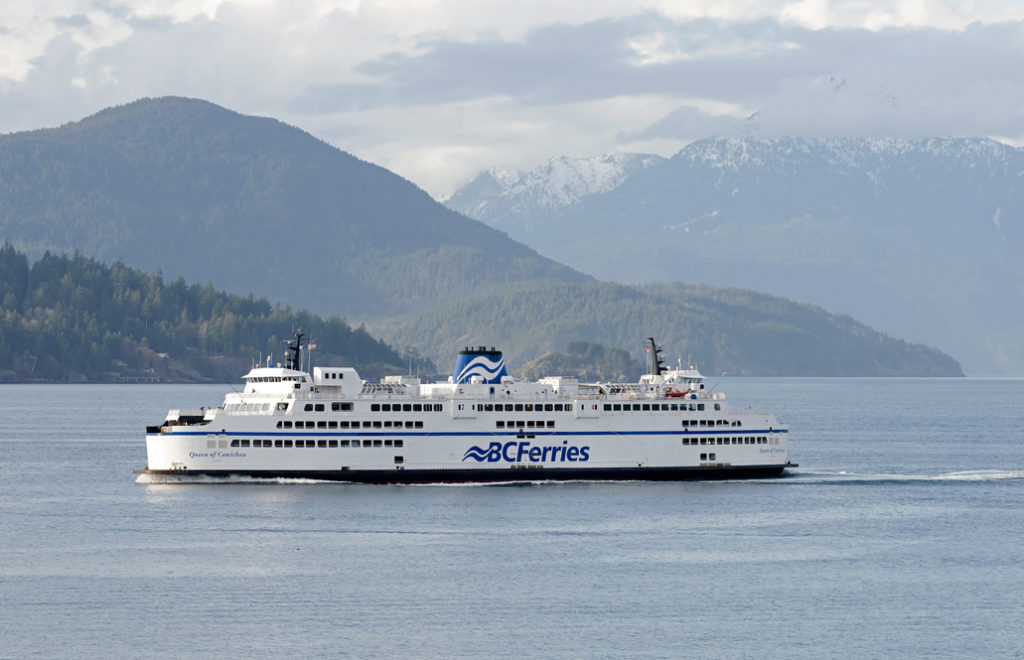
x: 480, y: 455
x: 517, y: 452
x: 490, y: 370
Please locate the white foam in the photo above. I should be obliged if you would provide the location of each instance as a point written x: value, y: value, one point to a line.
x: 843, y: 476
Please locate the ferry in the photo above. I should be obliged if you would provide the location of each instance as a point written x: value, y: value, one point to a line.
x: 479, y: 426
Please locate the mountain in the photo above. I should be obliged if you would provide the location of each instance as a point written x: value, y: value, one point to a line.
x: 920, y: 238
x: 251, y: 205
x: 186, y: 189
x: 727, y: 331
x: 501, y: 196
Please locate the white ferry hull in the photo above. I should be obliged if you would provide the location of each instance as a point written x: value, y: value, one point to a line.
x: 332, y: 426
x: 455, y: 451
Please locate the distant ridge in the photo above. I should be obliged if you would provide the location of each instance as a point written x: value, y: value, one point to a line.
x: 726, y: 331
x: 919, y: 237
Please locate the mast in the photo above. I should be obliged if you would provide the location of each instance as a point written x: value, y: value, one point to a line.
x: 656, y: 364
x: 294, y: 360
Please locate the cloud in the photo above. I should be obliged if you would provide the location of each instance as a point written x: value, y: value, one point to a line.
x: 571, y: 63
x: 764, y: 76
x: 438, y: 90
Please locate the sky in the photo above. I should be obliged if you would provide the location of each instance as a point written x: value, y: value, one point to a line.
x: 438, y: 90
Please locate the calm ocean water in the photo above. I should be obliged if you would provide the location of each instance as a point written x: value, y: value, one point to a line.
x: 900, y: 535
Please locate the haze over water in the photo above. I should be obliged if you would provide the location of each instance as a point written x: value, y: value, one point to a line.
x: 899, y: 535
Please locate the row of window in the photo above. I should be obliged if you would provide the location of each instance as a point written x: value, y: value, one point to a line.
x: 525, y: 407
x: 337, y: 406
x: 346, y: 424
x: 407, y: 407
x: 247, y: 407
x: 711, y: 422
x: 747, y: 440
x: 530, y: 424
x: 654, y: 407
x: 343, y: 406
x: 241, y: 442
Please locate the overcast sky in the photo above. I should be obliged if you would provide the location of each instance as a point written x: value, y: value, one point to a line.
x: 438, y: 90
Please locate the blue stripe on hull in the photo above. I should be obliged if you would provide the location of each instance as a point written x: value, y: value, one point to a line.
x: 496, y: 475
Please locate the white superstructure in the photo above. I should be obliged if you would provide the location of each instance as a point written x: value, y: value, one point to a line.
x: 480, y: 426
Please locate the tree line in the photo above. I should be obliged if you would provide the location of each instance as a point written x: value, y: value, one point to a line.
x: 72, y: 318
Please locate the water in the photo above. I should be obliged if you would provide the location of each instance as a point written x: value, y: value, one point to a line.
x: 900, y: 535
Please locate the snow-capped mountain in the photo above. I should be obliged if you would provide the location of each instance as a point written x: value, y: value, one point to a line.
x: 498, y: 195
x: 921, y: 238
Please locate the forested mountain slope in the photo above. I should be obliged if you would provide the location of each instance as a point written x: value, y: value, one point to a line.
x: 251, y: 205
x: 725, y: 331
x: 74, y: 319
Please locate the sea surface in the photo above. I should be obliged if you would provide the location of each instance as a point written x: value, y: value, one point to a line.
x: 900, y: 535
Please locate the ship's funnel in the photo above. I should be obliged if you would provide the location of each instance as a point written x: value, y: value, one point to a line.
x: 479, y: 361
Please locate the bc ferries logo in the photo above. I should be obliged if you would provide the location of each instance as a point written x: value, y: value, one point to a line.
x: 517, y: 452
x: 490, y: 370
